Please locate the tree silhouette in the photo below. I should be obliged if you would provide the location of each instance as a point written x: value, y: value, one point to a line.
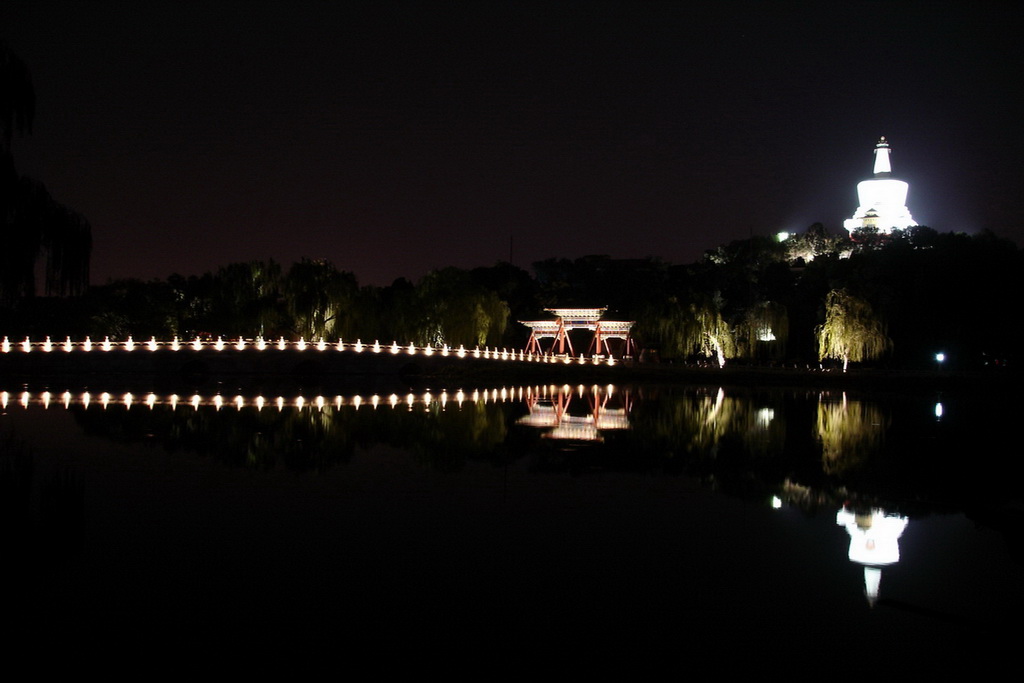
x: 33, y: 225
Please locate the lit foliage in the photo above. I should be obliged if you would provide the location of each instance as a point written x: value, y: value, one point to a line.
x: 763, y: 331
x: 455, y: 311
x: 852, y: 331
x: 317, y: 293
x: 715, y: 337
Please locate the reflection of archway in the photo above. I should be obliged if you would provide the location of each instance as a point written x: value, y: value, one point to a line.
x: 569, y: 319
x: 602, y: 409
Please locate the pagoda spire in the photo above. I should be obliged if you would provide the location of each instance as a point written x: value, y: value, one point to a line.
x: 882, y: 164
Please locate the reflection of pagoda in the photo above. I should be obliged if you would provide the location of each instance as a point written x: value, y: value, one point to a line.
x: 874, y: 543
x: 553, y: 415
x: 568, y: 319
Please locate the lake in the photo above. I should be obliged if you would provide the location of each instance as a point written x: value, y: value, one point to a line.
x: 568, y: 526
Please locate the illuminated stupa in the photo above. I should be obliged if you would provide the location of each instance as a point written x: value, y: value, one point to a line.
x: 883, y: 199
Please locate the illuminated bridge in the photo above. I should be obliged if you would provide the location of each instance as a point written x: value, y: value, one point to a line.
x: 198, y: 360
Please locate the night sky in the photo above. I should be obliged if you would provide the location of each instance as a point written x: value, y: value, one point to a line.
x: 393, y: 138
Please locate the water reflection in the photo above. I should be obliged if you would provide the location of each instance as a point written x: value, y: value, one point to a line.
x: 849, y: 432
x: 874, y: 543
x: 808, y: 449
x: 594, y: 499
x: 594, y: 411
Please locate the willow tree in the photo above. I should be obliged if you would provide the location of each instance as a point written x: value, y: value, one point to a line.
x: 763, y: 331
x: 317, y: 295
x: 715, y: 336
x: 453, y: 310
x: 851, y: 330
x: 34, y: 227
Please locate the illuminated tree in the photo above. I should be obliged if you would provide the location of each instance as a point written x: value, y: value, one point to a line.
x: 317, y: 294
x: 851, y: 331
x: 715, y: 337
x: 456, y: 311
x: 764, y: 330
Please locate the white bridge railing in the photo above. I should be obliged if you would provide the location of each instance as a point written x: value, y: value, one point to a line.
x: 263, y: 345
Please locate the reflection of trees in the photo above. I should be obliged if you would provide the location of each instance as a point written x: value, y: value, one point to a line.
x: 309, y: 437
x: 849, y: 431
x: 708, y: 422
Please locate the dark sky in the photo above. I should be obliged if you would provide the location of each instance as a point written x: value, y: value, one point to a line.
x: 392, y: 138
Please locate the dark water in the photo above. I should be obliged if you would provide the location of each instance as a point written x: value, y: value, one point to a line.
x: 580, y: 527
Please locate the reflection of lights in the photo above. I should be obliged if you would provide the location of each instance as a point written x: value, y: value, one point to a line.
x: 938, y: 410
x: 765, y: 417
x: 411, y: 400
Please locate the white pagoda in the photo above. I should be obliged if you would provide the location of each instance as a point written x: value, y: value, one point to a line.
x: 883, y: 199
